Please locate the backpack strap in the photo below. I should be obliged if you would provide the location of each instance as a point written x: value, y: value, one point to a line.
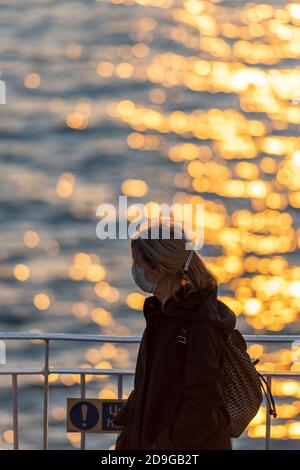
x: 268, y: 395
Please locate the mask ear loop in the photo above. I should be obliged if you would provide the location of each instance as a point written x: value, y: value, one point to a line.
x: 184, y: 269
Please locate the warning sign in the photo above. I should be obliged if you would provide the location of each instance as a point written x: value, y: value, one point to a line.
x: 109, y: 410
x: 83, y: 414
x: 92, y: 414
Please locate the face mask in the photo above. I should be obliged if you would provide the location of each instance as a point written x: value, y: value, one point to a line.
x: 140, y: 280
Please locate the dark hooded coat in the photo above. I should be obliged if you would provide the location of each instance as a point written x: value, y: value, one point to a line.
x: 177, y: 401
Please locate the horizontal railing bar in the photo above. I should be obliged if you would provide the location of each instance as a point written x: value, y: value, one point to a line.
x: 280, y: 374
x: 77, y: 370
x: 91, y: 371
x: 21, y: 371
x: 128, y: 339
x: 271, y: 338
x: 69, y: 337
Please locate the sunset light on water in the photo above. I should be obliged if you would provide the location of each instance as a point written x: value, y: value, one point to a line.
x: 162, y: 101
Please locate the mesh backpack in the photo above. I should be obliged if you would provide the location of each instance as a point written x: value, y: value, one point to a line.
x: 243, y: 385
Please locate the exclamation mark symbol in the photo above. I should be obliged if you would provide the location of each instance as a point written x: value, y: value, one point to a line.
x: 84, y: 412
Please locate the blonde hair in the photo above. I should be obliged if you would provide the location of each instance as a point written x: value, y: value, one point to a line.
x: 170, y: 253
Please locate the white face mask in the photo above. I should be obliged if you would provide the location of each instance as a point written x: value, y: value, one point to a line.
x: 141, y: 281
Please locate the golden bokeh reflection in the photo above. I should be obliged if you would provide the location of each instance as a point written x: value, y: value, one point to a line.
x: 161, y: 101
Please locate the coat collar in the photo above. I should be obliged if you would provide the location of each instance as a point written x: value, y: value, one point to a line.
x: 202, y: 306
x: 177, y: 306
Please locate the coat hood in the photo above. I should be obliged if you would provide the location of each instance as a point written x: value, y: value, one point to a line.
x: 201, y: 306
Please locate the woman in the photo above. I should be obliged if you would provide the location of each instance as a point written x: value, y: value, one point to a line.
x: 177, y: 401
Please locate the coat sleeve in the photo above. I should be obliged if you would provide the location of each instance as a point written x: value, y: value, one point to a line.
x: 198, y: 416
x: 121, y: 418
x: 121, y: 440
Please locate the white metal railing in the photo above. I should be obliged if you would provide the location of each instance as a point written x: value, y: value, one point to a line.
x: 46, y: 371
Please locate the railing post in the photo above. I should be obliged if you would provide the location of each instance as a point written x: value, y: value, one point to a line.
x: 82, y: 395
x: 120, y: 386
x: 268, y: 418
x: 15, y: 410
x: 46, y: 395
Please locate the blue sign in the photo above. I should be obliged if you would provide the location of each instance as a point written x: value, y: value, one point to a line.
x: 84, y: 415
x: 109, y: 410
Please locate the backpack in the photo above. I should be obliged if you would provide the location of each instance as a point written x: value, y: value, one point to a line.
x: 243, y: 384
